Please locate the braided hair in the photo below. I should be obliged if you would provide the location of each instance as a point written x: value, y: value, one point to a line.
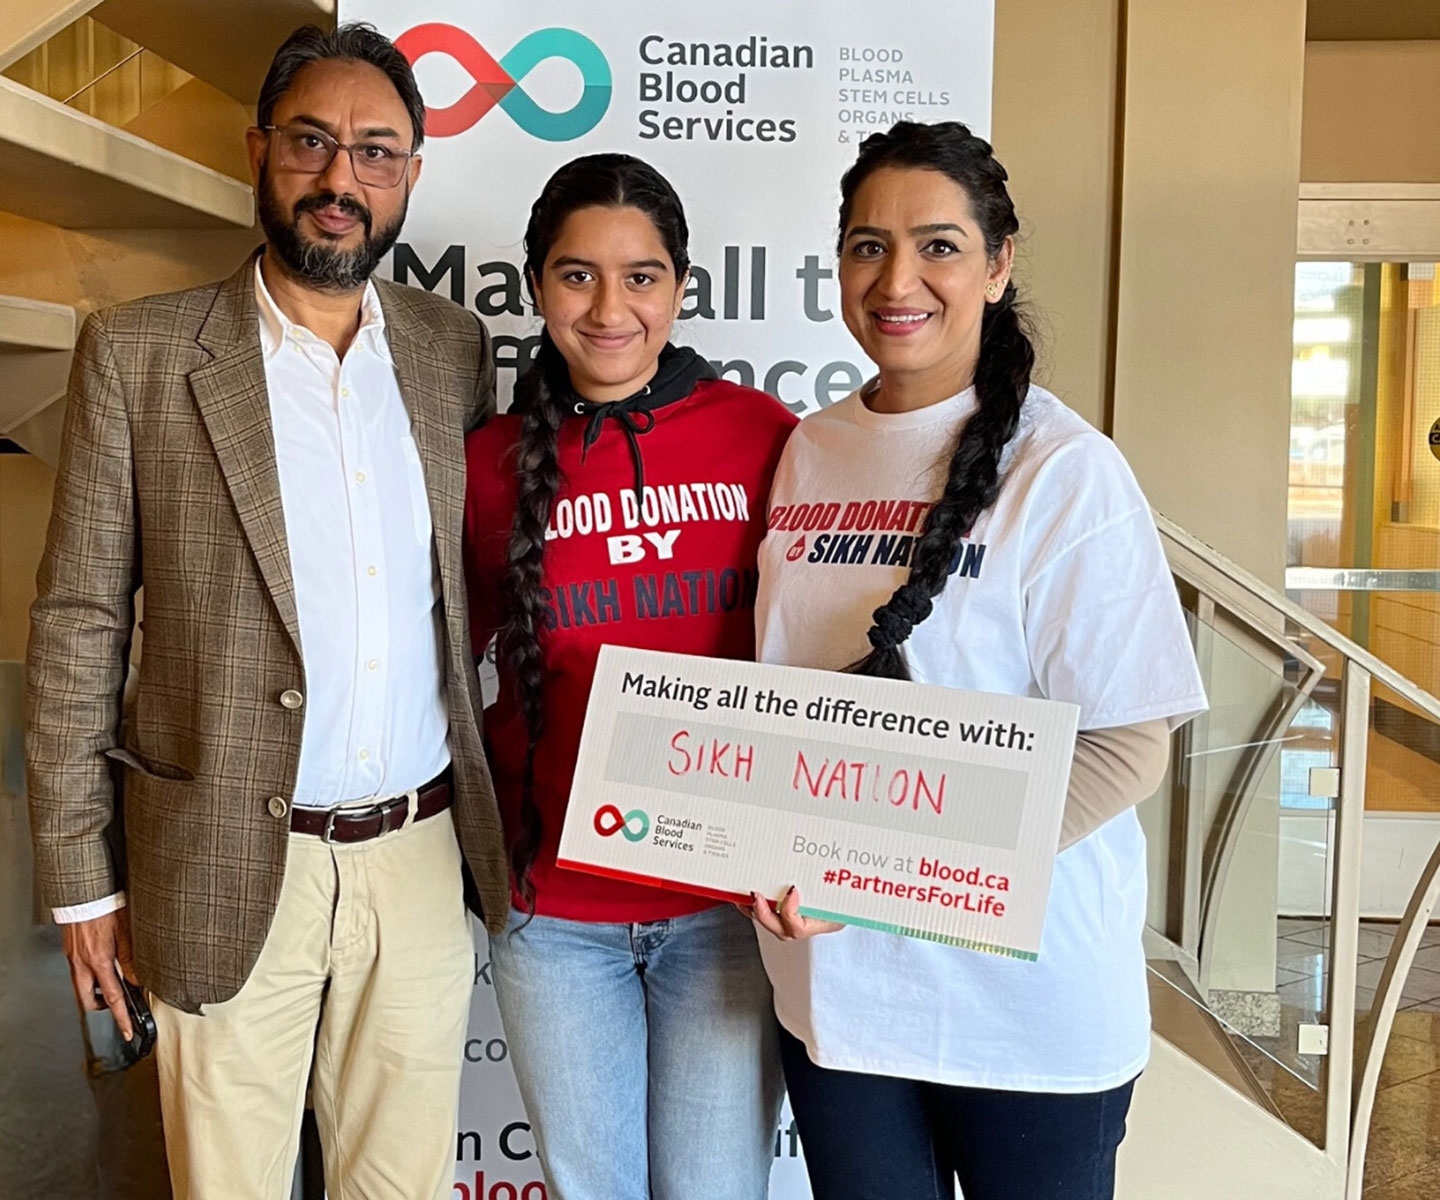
x: 1002, y: 374
x: 541, y: 396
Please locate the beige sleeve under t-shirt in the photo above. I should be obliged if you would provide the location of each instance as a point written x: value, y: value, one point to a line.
x: 1114, y: 769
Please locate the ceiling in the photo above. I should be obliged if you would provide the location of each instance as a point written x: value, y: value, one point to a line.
x: 1372, y: 20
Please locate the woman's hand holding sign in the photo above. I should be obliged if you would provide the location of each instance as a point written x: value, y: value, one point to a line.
x: 784, y: 919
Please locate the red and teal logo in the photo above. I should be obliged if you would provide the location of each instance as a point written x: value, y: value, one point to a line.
x: 499, y: 83
x: 609, y: 821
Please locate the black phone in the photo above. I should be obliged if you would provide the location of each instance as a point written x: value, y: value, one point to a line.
x: 142, y: 1020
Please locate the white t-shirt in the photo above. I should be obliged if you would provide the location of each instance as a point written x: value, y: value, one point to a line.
x: 1062, y: 591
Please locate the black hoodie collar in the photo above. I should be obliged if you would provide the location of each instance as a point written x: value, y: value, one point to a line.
x: 680, y: 369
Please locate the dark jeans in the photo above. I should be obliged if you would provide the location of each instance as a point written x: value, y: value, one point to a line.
x: 874, y: 1137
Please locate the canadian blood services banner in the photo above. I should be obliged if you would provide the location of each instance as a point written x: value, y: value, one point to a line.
x: 753, y: 109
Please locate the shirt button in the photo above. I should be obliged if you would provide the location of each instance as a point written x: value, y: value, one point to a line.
x: 371, y: 571
x: 373, y: 664
x: 359, y: 476
x: 277, y: 806
x: 345, y: 391
x: 364, y: 755
x: 291, y: 699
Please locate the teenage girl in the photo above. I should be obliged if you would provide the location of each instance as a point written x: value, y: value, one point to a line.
x: 621, y: 500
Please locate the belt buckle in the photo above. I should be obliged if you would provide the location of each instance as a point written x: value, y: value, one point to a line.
x: 327, y: 835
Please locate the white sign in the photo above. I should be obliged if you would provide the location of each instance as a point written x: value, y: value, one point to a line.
x: 911, y: 809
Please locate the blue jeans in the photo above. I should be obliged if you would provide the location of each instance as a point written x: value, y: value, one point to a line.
x: 647, y: 1054
x: 874, y: 1137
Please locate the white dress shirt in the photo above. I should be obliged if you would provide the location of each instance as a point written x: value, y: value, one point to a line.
x: 367, y: 589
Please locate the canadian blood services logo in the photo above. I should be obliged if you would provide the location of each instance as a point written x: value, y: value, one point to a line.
x: 609, y: 821
x: 498, y: 83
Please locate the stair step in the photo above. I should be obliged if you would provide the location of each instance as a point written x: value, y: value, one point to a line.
x: 29, y: 23
x: 227, y: 45
x: 35, y: 325
x: 63, y: 167
x: 40, y: 433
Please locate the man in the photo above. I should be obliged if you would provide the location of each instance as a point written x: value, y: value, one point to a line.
x: 278, y: 460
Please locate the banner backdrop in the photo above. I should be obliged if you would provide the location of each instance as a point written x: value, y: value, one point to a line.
x: 752, y: 109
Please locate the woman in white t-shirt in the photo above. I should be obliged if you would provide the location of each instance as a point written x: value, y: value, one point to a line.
x: 994, y: 541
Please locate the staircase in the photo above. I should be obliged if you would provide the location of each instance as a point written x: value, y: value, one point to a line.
x: 1269, y: 1051
x: 122, y: 169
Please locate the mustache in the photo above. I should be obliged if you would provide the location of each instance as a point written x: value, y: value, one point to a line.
x: 346, y: 204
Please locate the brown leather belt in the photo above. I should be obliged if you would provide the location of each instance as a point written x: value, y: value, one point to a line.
x: 361, y: 824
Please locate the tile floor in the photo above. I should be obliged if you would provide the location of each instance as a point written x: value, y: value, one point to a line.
x: 62, y: 1135
x: 1403, y: 1158
x: 1303, y: 949
x: 1403, y: 1161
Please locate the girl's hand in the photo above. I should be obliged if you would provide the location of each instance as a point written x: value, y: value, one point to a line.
x: 785, y: 921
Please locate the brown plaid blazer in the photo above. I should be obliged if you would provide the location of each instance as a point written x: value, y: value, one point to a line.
x: 168, y: 480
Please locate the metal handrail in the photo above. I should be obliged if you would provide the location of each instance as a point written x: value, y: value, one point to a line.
x: 1382, y: 1016
x: 1281, y: 604
x: 134, y: 54
x: 1351, y: 1086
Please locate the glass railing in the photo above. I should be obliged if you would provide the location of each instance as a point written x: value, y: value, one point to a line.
x: 1258, y: 869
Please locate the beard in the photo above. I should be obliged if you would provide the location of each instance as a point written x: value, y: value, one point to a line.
x: 324, y: 266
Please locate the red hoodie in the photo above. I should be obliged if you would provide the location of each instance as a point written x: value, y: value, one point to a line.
x: 673, y: 571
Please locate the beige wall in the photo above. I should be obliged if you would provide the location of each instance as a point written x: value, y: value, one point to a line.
x: 25, y: 486
x: 1182, y: 284
x: 1211, y: 143
x: 201, y: 123
x: 1054, y: 129
x: 1370, y: 112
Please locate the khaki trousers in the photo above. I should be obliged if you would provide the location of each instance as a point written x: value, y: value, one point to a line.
x: 369, y: 966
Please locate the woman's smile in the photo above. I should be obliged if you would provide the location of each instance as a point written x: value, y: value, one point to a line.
x: 899, y: 322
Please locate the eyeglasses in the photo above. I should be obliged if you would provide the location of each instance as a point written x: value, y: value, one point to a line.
x: 311, y: 151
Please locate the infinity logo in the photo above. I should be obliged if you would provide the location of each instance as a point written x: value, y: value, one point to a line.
x: 609, y: 821
x: 499, y: 82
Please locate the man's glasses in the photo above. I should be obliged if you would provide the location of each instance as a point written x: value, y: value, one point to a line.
x: 309, y: 151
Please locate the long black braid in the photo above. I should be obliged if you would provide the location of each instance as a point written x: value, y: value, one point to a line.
x: 541, y: 398
x: 1002, y: 375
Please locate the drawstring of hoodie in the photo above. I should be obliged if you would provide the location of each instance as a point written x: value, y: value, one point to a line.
x: 634, y: 418
x: 680, y: 369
